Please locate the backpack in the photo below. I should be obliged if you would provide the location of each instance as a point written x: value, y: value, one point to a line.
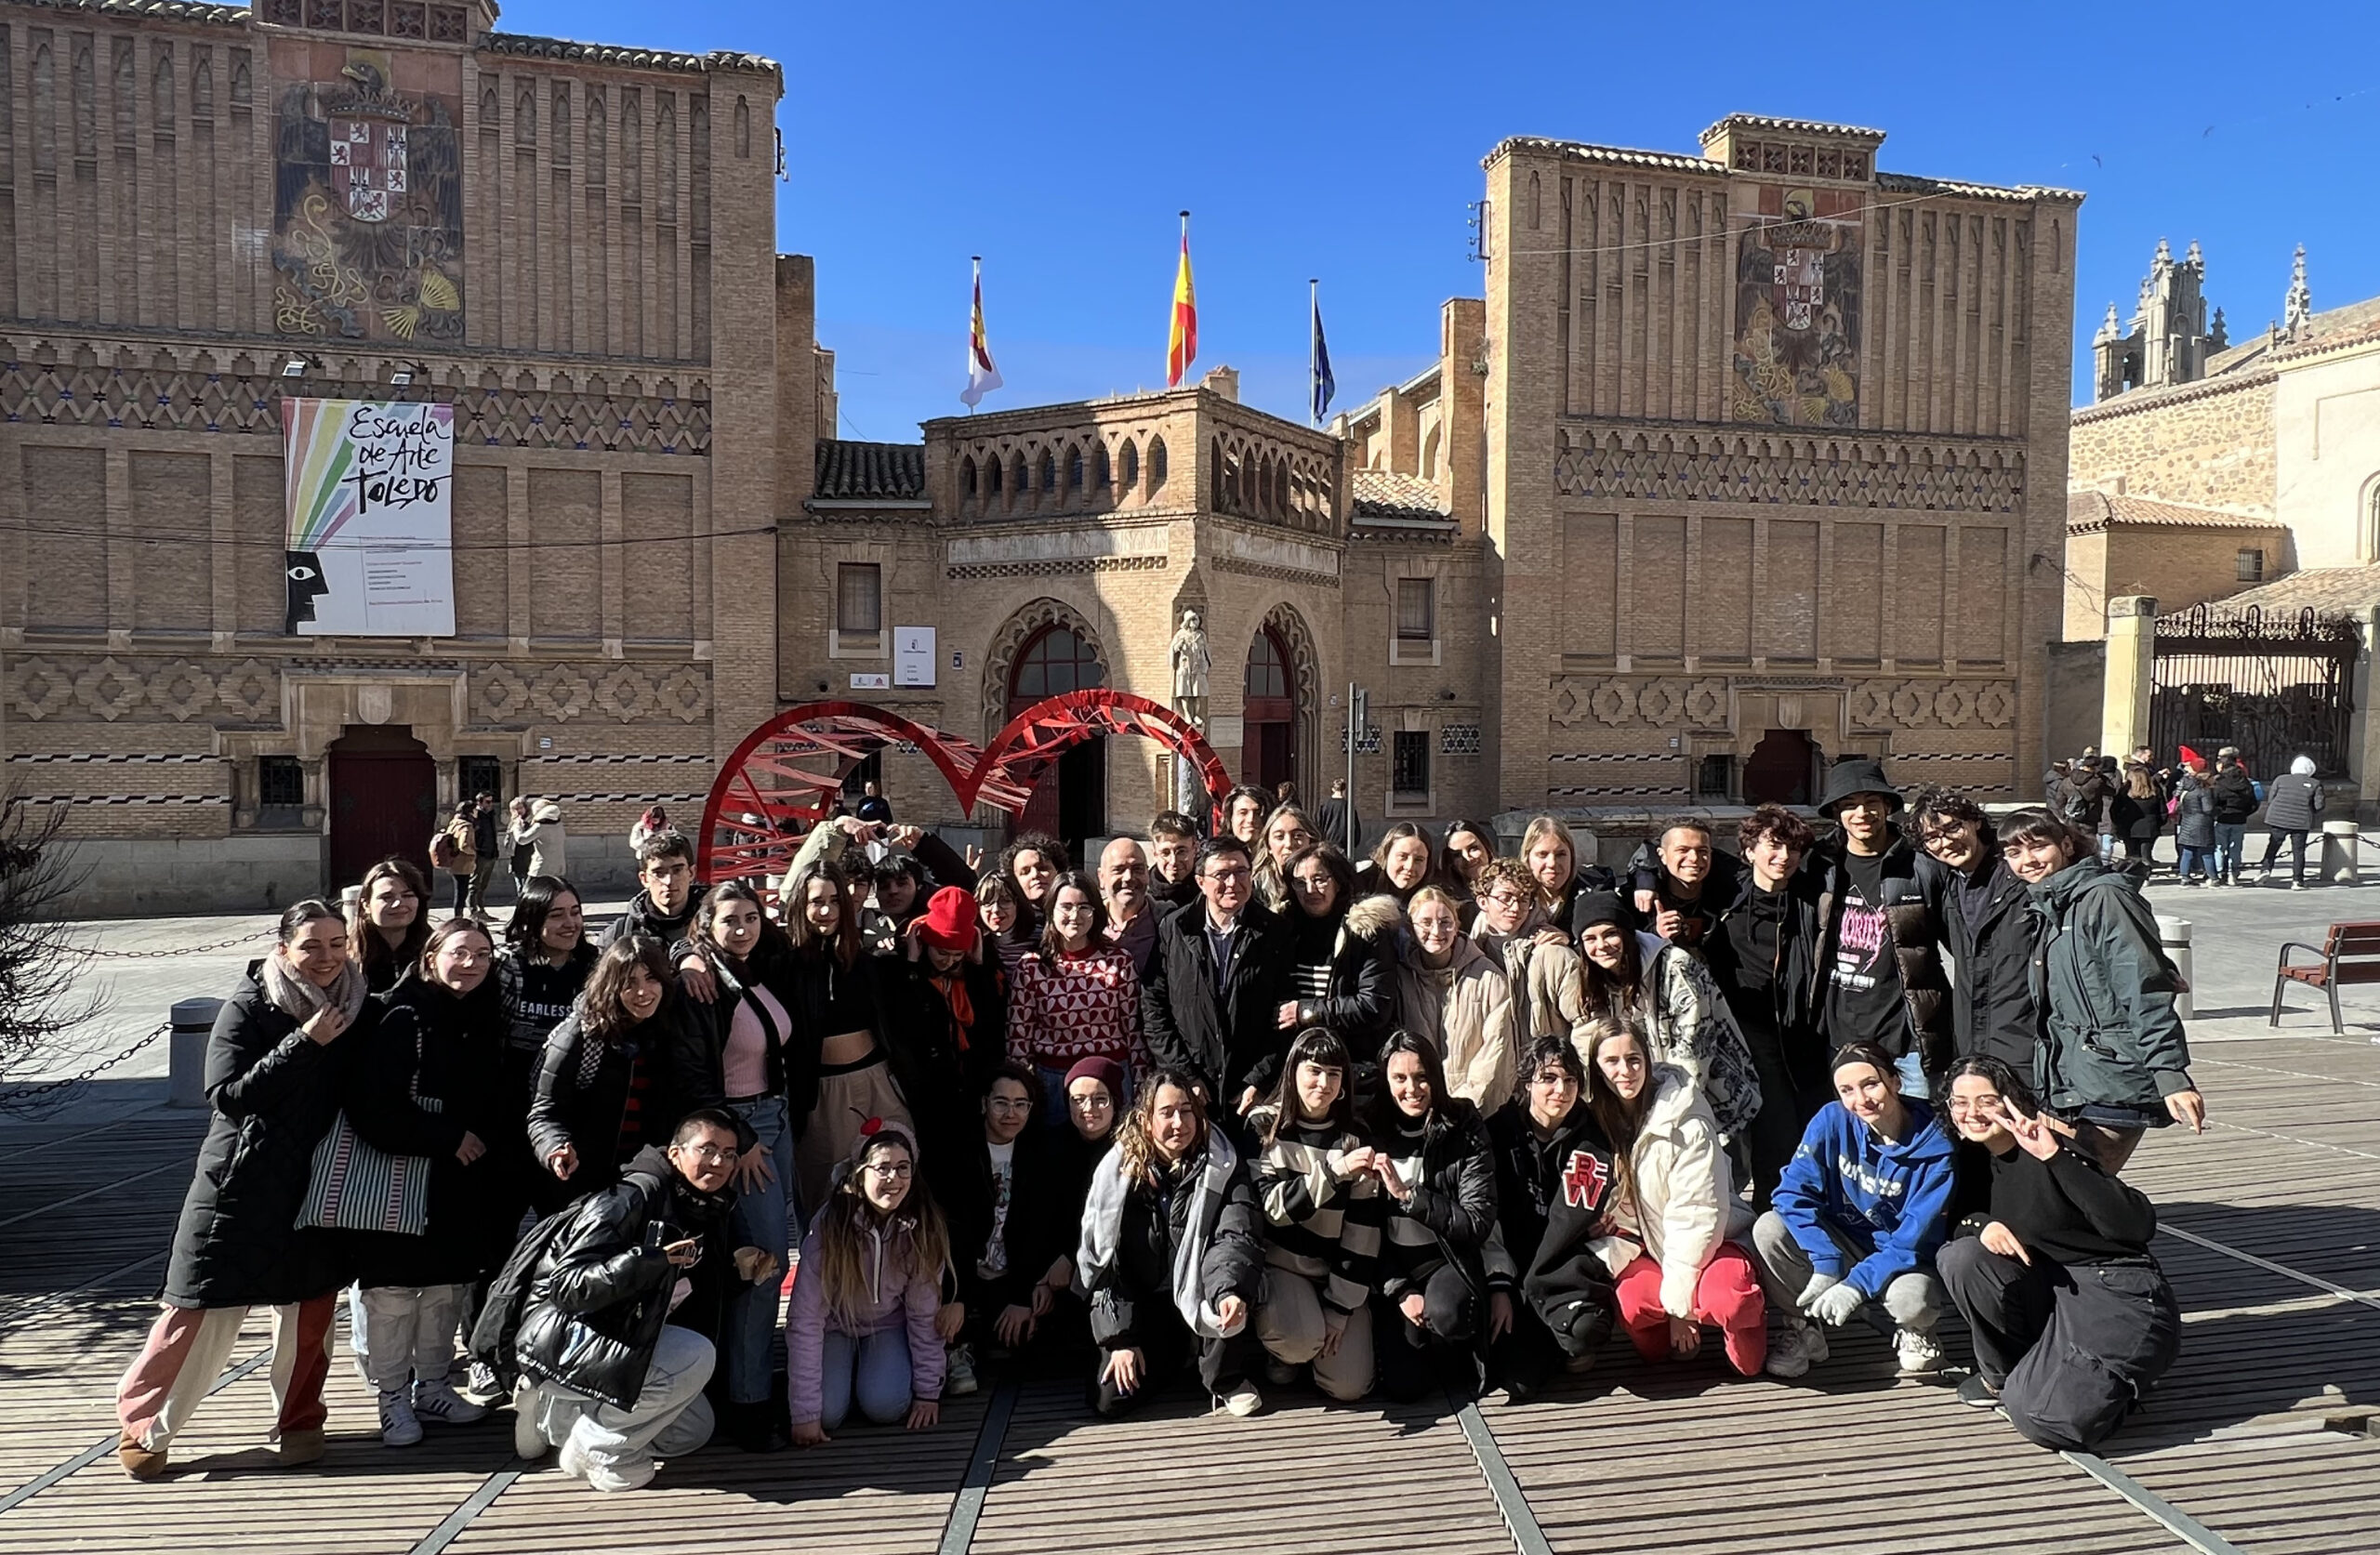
x: 492, y: 1337
x: 2079, y: 808
x: 443, y: 854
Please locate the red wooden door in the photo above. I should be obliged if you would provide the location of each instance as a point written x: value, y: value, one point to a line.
x: 383, y: 800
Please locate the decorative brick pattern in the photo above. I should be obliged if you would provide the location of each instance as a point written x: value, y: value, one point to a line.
x: 1800, y: 471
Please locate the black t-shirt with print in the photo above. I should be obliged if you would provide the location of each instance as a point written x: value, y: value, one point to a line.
x: 1863, y: 999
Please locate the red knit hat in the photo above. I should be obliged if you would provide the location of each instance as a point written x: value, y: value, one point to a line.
x: 950, y: 920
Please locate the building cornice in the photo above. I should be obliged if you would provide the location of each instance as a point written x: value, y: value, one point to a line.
x: 2138, y: 400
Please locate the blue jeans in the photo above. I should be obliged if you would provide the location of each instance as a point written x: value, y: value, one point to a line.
x: 875, y: 1369
x: 2230, y: 848
x: 1911, y: 1070
x: 758, y: 1220
x: 2195, y: 860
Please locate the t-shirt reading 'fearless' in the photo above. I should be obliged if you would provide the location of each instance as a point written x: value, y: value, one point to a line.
x: 1863, y: 1000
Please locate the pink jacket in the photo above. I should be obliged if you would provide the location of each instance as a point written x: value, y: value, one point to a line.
x: 1066, y: 1009
x: 897, y: 1293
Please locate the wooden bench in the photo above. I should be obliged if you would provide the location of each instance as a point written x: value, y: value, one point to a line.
x: 2350, y: 953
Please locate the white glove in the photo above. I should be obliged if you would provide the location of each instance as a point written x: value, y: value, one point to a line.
x: 1820, y: 1285
x: 1834, y: 1307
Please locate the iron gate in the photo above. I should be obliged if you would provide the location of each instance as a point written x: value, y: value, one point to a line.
x: 2277, y: 686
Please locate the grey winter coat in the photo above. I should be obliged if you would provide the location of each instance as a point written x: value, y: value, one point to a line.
x: 2194, y: 821
x: 2111, y: 1036
x: 2293, y: 802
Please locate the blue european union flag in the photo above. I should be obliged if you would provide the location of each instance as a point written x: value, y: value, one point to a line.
x: 1325, y: 386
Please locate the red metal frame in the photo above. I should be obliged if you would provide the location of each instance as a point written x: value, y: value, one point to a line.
x: 765, y: 800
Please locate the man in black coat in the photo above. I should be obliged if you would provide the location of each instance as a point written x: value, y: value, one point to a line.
x: 1211, y: 1002
x: 1991, y: 934
x: 1764, y: 954
x: 593, y: 1325
x: 1880, y: 971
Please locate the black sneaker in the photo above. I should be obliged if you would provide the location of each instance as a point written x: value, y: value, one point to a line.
x: 1974, y: 1390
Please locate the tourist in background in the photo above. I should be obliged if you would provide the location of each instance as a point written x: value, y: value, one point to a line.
x: 2113, y: 1062
x: 427, y: 1084
x: 458, y: 854
x: 654, y: 820
x: 2294, y: 805
x: 2196, y: 861
x: 272, y: 1074
x: 389, y: 922
x: 2073, y: 1317
x: 2142, y: 815
x: 1171, y: 1258
x: 1337, y: 818
x: 2235, y: 802
x: 487, y: 842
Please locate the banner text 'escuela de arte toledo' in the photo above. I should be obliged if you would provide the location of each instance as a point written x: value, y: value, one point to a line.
x: 370, y: 548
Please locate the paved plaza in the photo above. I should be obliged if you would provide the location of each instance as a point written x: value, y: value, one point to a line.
x: 2260, y: 1440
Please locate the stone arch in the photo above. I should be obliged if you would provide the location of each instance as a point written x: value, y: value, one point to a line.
x: 1285, y: 623
x: 1022, y: 626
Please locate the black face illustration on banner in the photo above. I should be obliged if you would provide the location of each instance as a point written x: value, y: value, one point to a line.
x: 306, y: 585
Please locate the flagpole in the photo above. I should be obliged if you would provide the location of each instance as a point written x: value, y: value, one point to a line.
x: 1313, y: 364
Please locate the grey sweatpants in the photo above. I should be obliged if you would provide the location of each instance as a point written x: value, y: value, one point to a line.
x: 1914, y: 1299
x: 2070, y: 1348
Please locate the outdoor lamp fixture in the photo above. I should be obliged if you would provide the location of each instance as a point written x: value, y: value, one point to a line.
x: 295, y: 366
x: 405, y: 372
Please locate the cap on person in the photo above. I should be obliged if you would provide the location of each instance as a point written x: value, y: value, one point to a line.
x: 1595, y: 907
x: 1107, y: 1072
x: 948, y: 922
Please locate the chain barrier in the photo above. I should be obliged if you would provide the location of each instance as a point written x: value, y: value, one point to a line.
x: 247, y: 939
x: 15, y: 1099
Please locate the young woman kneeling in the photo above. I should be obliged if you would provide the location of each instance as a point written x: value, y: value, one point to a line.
x: 1170, y: 1260
x: 1439, y: 1179
x: 1859, y: 1212
x: 1549, y: 1297
x: 1676, y: 1252
x: 2074, y: 1320
x: 862, y: 1324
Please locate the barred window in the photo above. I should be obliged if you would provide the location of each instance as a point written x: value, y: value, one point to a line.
x: 480, y: 774
x: 280, y: 781
x: 1409, y: 765
x: 859, y: 598
x: 2252, y: 565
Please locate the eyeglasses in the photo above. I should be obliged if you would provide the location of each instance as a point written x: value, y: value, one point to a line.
x: 1505, y: 900
x: 710, y: 1156
x: 900, y: 1172
x: 1225, y: 876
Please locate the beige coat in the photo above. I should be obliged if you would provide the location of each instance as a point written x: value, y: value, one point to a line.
x: 1685, y: 1202
x: 1466, y: 1012
x: 1549, y: 982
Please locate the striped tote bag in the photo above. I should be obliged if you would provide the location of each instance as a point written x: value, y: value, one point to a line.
x: 358, y: 1186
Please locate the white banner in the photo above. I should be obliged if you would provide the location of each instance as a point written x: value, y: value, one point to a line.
x: 370, y: 544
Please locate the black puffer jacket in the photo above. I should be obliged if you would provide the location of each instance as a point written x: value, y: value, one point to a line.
x: 1361, y: 1007
x: 274, y: 1092
x: 588, y: 1113
x: 600, y: 1295
x: 430, y: 1072
x: 2235, y: 796
x: 1992, y: 1005
x: 1454, y: 1201
x: 1549, y: 1195
x: 1914, y: 887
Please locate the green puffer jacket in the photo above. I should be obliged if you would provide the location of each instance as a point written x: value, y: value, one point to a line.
x: 2106, y: 991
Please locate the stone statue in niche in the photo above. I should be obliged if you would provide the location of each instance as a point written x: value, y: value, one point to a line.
x: 1192, y: 668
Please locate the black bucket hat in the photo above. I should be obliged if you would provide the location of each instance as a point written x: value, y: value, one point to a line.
x: 1857, y: 774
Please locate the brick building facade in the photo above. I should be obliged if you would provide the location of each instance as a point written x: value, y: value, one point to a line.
x: 580, y: 261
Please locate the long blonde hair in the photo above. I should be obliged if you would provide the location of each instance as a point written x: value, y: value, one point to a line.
x: 1136, y: 1152
x: 842, y: 1262
x: 1549, y: 827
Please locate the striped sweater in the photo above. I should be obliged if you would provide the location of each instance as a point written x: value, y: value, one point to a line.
x: 1319, y: 1224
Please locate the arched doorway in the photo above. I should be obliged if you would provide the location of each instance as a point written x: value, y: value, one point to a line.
x: 1782, y: 769
x: 1071, y: 802
x: 1268, y: 757
x: 382, y: 788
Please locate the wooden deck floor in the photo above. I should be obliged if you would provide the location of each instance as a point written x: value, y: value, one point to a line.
x: 2257, y: 1441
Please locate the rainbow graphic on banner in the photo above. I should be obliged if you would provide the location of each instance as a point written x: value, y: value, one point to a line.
x: 369, y: 493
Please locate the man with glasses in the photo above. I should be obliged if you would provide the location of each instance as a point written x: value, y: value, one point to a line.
x: 617, y: 1309
x: 1990, y: 935
x: 1210, y: 1003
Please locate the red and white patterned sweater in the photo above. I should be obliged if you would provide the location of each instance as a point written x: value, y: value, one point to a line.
x: 1066, y: 1009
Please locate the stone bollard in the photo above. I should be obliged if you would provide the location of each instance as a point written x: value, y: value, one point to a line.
x: 2174, y: 936
x: 193, y: 1021
x: 2341, y: 848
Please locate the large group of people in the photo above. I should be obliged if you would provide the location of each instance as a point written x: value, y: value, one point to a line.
x: 2209, y: 805
x: 1233, y: 1105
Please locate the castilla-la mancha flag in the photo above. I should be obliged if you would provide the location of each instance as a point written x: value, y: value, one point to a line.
x: 982, y: 377
x: 1182, y: 340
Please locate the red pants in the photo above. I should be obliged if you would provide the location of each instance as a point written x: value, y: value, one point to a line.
x: 1728, y: 1295
x: 188, y: 1349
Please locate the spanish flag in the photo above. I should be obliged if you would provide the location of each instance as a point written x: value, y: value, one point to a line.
x: 1181, y: 341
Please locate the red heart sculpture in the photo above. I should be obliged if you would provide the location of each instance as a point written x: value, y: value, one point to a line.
x: 764, y: 802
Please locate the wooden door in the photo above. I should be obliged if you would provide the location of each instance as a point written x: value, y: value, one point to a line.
x: 1781, y: 770
x: 383, y: 800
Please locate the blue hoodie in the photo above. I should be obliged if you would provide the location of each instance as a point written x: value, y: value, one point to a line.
x: 1887, y: 1199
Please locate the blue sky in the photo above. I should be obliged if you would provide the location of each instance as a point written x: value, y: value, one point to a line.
x: 1059, y: 140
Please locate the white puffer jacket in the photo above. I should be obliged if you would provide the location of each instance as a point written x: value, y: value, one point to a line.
x: 1685, y: 1202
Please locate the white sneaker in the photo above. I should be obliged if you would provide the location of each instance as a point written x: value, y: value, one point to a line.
x: 635, y: 1474
x: 399, y: 1427
x: 1795, y: 1350
x: 528, y: 1435
x: 481, y: 1385
x: 1243, y: 1400
x: 1919, y: 1356
x: 438, y: 1402
x: 958, y: 1378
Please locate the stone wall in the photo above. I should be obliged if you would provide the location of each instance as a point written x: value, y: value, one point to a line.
x: 2208, y: 443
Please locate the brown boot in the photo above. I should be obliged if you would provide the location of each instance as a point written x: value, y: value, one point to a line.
x: 298, y: 1447
x: 137, y: 1460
